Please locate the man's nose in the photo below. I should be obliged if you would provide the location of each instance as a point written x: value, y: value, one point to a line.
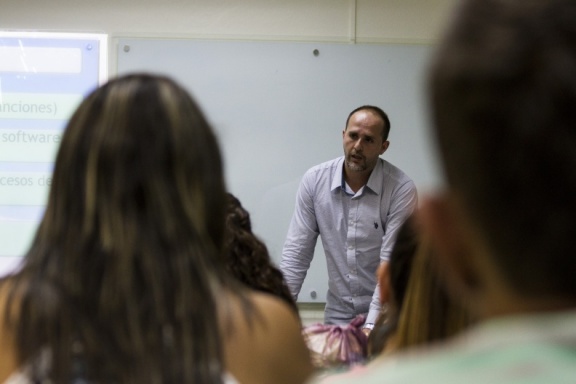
x: 358, y: 145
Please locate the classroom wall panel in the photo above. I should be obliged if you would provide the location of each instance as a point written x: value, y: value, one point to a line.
x: 280, y: 107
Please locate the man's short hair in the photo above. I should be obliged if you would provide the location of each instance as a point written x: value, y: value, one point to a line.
x: 379, y: 112
x: 503, y: 92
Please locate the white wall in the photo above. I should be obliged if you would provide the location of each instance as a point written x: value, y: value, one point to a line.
x: 403, y: 21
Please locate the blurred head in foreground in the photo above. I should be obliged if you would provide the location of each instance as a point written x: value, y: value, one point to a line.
x: 120, y: 282
x: 503, y: 92
x: 420, y: 310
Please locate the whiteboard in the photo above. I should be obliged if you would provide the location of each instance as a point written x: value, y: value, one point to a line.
x: 279, y: 108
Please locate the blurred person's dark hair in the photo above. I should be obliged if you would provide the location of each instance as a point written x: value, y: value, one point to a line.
x: 503, y: 92
x: 393, y: 280
x: 247, y: 257
x: 120, y: 281
x: 419, y: 310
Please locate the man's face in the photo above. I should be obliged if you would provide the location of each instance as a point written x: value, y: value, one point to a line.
x: 363, y: 142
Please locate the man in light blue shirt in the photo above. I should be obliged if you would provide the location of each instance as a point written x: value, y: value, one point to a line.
x: 356, y: 203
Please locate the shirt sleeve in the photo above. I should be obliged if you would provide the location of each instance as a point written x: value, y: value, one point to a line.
x: 403, y: 204
x: 301, y: 240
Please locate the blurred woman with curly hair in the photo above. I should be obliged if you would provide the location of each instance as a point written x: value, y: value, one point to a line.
x: 248, y: 258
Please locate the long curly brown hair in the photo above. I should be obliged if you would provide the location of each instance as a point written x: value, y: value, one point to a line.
x: 247, y: 256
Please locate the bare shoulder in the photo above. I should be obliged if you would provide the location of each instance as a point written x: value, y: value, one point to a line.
x: 267, y: 347
x: 6, y: 311
x: 8, y: 363
x: 271, y: 308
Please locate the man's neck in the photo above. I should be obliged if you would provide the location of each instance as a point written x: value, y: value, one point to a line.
x: 356, y: 180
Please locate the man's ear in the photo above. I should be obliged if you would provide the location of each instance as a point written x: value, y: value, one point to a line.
x: 385, y: 146
x: 383, y: 274
x: 440, y: 218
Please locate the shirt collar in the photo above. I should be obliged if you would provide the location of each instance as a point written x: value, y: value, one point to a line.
x: 375, y: 180
x: 338, y: 179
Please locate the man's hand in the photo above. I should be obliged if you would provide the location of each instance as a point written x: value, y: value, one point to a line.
x: 367, y: 328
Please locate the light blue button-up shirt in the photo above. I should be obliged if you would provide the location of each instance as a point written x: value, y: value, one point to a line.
x: 357, y: 232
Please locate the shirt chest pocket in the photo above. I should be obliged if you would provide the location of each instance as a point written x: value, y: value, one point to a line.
x: 368, y: 232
